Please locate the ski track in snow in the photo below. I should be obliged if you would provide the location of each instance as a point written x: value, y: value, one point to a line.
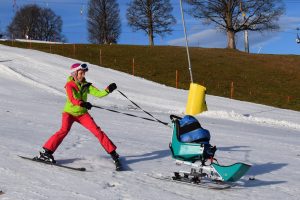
x: 32, y: 97
x: 21, y: 77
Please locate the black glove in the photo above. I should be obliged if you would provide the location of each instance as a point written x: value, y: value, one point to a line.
x: 86, y: 105
x: 111, y: 87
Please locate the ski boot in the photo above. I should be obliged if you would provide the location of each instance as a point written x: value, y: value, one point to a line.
x: 46, y: 156
x: 115, y: 156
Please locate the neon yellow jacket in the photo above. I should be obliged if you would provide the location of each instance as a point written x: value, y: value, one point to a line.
x: 77, y: 93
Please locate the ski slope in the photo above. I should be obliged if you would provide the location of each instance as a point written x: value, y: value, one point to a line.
x: 31, y: 101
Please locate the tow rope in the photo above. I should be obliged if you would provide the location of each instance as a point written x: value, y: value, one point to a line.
x: 131, y: 115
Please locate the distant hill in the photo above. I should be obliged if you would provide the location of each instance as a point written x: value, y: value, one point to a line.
x: 266, y: 79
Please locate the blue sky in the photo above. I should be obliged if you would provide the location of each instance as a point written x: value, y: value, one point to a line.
x: 75, y: 29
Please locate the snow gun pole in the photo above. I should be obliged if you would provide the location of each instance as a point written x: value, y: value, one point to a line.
x: 157, y: 120
x: 186, y: 42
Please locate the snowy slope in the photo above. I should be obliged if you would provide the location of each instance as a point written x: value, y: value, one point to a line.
x: 32, y: 98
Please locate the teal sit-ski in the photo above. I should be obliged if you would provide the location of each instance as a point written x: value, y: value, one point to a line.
x: 199, y: 156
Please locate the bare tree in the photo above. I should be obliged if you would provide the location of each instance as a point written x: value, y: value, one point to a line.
x: 233, y: 16
x: 34, y: 22
x: 49, y: 26
x: 151, y: 16
x: 104, y: 25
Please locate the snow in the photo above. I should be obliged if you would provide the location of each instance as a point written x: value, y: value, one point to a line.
x: 37, y: 41
x: 32, y: 99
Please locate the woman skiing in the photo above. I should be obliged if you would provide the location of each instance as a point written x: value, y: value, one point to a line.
x: 76, y: 110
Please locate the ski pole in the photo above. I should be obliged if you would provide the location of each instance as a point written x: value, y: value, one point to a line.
x: 164, y: 123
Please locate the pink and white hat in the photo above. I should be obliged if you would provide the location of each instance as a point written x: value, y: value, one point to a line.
x: 78, y: 66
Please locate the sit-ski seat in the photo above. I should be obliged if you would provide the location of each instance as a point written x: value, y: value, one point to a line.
x: 189, y: 129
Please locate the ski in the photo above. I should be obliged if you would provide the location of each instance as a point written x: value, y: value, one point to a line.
x: 203, y: 183
x: 54, y: 164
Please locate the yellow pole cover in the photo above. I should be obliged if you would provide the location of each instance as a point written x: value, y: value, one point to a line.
x: 196, y: 100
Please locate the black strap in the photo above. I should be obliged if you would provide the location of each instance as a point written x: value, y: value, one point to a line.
x: 174, y: 117
x: 189, y: 127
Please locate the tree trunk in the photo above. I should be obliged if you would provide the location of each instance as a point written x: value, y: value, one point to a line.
x: 151, y: 42
x: 150, y: 21
x: 231, y: 39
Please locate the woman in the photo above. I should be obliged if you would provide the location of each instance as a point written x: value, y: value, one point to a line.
x: 76, y: 110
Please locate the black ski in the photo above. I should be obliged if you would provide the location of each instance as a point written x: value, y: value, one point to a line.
x: 203, y: 184
x: 54, y: 164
